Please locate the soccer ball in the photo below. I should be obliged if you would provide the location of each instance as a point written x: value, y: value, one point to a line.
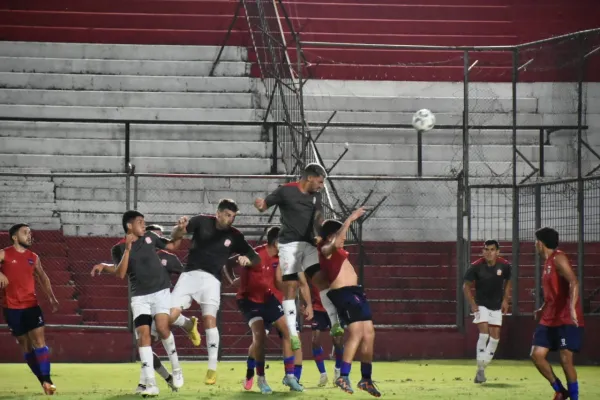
x: 423, y: 120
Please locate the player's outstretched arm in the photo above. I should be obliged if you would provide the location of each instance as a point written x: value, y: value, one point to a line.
x: 274, y: 199
x: 337, y: 242
x: 178, y: 233
x: 44, y: 282
x: 563, y: 266
x: 124, y: 263
x: 99, y: 268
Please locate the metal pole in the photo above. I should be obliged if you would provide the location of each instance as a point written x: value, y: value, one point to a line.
x: 467, y: 190
x: 580, y: 183
x: 235, y: 17
x: 460, y: 262
x: 420, y: 152
x: 538, y: 259
x: 127, y: 153
x: 361, y: 255
x: 515, y: 201
x: 541, y: 168
x: 275, y: 154
x: 135, y: 192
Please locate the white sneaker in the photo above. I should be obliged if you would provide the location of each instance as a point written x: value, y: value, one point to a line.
x: 140, y: 388
x: 150, y: 391
x: 337, y: 372
x: 177, y: 378
x: 323, y: 379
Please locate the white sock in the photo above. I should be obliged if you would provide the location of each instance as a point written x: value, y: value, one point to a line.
x: 169, y: 344
x: 481, y: 347
x: 142, y: 377
x: 212, y: 344
x: 160, y: 368
x: 147, y: 365
x: 328, y: 305
x: 183, y: 322
x: 289, y: 309
x: 490, y: 350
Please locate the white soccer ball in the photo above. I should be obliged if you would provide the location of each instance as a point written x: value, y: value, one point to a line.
x: 423, y: 120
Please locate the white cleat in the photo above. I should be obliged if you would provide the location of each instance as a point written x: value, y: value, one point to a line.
x: 150, y: 391
x: 337, y: 372
x: 323, y: 379
x: 177, y: 378
x: 140, y: 388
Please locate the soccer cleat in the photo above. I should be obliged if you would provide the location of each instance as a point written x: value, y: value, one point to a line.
x: 211, y: 377
x: 564, y: 395
x: 343, y: 382
x: 193, y: 333
x: 150, y: 391
x: 480, y: 377
x: 292, y: 383
x: 248, y: 383
x: 140, y: 388
x: 171, y: 384
x: 323, y: 379
x: 295, y: 342
x: 336, y: 330
x: 49, y: 388
x: 177, y: 378
x: 263, y: 385
x: 368, y: 386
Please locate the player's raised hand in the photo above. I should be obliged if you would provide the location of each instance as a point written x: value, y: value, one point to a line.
x: 129, y: 239
x: 97, y: 269
x: 244, y: 261
x: 3, y: 281
x: 260, y: 204
x: 183, y: 222
x: 356, y: 214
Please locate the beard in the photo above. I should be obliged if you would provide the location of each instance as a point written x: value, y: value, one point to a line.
x: 25, y: 244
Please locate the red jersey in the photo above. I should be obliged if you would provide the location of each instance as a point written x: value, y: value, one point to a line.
x: 332, y: 265
x: 557, y: 308
x: 316, y: 299
x: 19, y: 269
x: 257, y: 282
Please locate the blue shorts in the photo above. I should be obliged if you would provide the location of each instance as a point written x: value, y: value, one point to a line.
x: 269, y: 311
x: 351, y: 304
x: 564, y: 337
x: 22, y: 321
x: 320, y: 321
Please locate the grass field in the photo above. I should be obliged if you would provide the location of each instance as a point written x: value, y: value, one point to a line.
x: 429, y: 379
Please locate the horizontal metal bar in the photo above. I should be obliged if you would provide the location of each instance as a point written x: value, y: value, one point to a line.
x: 558, y: 181
x: 392, y: 178
x: 212, y: 176
x: 66, y: 174
x: 491, y: 186
x: 85, y: 327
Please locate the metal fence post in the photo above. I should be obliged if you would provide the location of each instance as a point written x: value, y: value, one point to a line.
x: 460, y: 248
x: 580, y: 183
x: 538, y: 259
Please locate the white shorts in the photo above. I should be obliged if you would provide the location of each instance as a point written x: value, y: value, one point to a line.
x: 491, y: 317
x: 199, y: 286
x: 296, y: 257
x: 151, y: 304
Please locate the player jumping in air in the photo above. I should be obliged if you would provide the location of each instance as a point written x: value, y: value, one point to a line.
x: 173, y: 266
x: 20, y: 268
x: 561, y: 317
x: 261, y: 309
x: 136, y: 258
x: 214, y: 240
x: 350, y: 301
x: 301, y: 216
x: 491, y: 275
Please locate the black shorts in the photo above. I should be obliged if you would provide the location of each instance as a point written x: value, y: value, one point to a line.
x: 351, y: 304
x: 269, y: 311
x: 564, y: 337
x: 312, y: 270
x: 22, y: 321
x: 320, y: 321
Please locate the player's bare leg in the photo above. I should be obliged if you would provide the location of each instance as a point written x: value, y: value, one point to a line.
x: 42, y: 355
x: 482, y: 343
x: 320, y: 281
x: 538, y: 355
x: 212, y: 343
x: 164, y: 332
x: 251, y: 365
x: 356, y: 332
x: 566, y: 361
x: 258, y: 349
x: 290, y: 291
x: 366, y: 365
x: 319, y: 357
x: 288, y: 355
x: 189, y: 325
x: 338, y: 353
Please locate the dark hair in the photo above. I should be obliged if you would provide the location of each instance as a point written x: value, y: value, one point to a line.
x: 228, y: 204
x: 152, y: 228
x: 330, y: 227
x: 14, y: 229
x: 272, y: 235
x: 313, y: 169
x: 129, y: 216
x: 548, y: 236
x: 492, y: 242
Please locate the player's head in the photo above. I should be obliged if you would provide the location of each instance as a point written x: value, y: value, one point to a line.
x: 273, y: 237
x: 155, y: 228
x: 329, y: 228
x: 226, y: 212
x: 20, y: 234
x: 491, y: 250
x: 315, y: 176
x: 546, y: 238
x: 133, y: 222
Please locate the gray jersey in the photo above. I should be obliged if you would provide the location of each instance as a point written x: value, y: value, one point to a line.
x: 298, y: 211
x: 145, y: 272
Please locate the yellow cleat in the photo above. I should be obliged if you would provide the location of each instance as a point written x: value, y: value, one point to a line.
x: 211, y: 377
x: 49, y: 389
x: 193, y: 333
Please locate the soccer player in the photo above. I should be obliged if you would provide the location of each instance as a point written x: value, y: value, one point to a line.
x: 214, y: 240
x: 491, y: 275
x: 561, y: 316
x: 257, y: 302
x: 173, y: 266
x: 20, y: 268
x: 301, y: 217
x: 136, y: 258
x: 350, y: 300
